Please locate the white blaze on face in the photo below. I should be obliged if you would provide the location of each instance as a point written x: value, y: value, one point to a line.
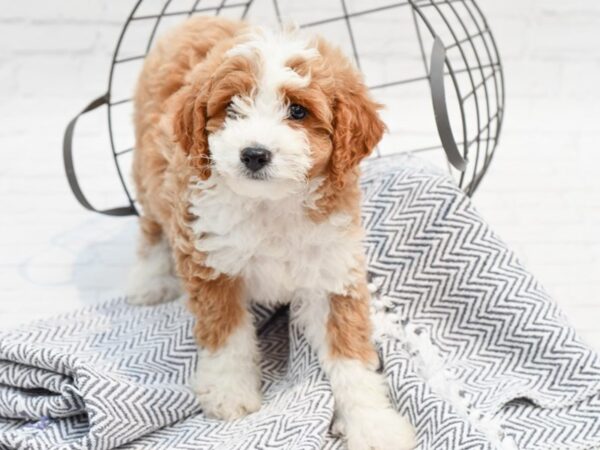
x: 260, y: 120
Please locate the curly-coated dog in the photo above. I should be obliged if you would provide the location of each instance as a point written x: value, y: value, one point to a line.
x: 246, y: 165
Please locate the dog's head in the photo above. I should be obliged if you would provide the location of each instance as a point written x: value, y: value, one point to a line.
x: 269, y: 112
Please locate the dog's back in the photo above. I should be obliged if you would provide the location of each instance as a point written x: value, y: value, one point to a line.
x: 164, y: 73
x: 169, y: 62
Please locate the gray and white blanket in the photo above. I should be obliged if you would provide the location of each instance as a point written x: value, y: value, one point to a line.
x: 474, y: 351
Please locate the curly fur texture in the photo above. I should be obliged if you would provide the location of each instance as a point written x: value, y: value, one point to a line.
x: 290, y: 233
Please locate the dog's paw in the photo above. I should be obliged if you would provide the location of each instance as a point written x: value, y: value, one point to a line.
x: 159, y: 289
x: 152, y: 281
x: 375, y: 429
x: 228, y: 397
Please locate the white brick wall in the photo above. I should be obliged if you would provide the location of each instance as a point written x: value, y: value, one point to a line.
x: 542, y: 193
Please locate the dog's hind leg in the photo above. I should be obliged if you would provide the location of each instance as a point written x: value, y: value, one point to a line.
x: 152, y: 279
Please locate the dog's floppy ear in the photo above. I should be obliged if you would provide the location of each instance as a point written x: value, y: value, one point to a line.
x: 189, y: 126
x: 357, y: 129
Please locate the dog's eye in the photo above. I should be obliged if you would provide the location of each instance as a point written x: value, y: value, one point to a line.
x: 232, y: 113
x: 297, y: 112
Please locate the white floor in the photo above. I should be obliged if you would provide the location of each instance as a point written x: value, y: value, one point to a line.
x: 542, y: 193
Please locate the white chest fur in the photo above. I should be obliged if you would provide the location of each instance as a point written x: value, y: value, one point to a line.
x: 273, y: 245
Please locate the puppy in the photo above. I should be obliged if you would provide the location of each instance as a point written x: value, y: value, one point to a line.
x: 246, y: 167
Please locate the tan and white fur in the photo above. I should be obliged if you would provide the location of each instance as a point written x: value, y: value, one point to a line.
x: 231, y: 229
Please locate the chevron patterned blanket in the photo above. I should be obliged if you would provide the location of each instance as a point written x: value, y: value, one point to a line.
x: 474, y: 351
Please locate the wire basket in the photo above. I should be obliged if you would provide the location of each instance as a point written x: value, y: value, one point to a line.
x: 434, y: 64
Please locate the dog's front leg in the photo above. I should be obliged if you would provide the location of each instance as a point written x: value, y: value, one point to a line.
x: 227, y: 378
x: 339, y: 328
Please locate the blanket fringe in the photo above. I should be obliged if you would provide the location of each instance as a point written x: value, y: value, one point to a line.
x: 429, y: 364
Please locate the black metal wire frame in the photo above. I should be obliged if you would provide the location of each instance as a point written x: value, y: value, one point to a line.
x: 488, y: 131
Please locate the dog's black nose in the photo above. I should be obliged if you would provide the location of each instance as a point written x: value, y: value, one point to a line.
x: 255, y: 158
